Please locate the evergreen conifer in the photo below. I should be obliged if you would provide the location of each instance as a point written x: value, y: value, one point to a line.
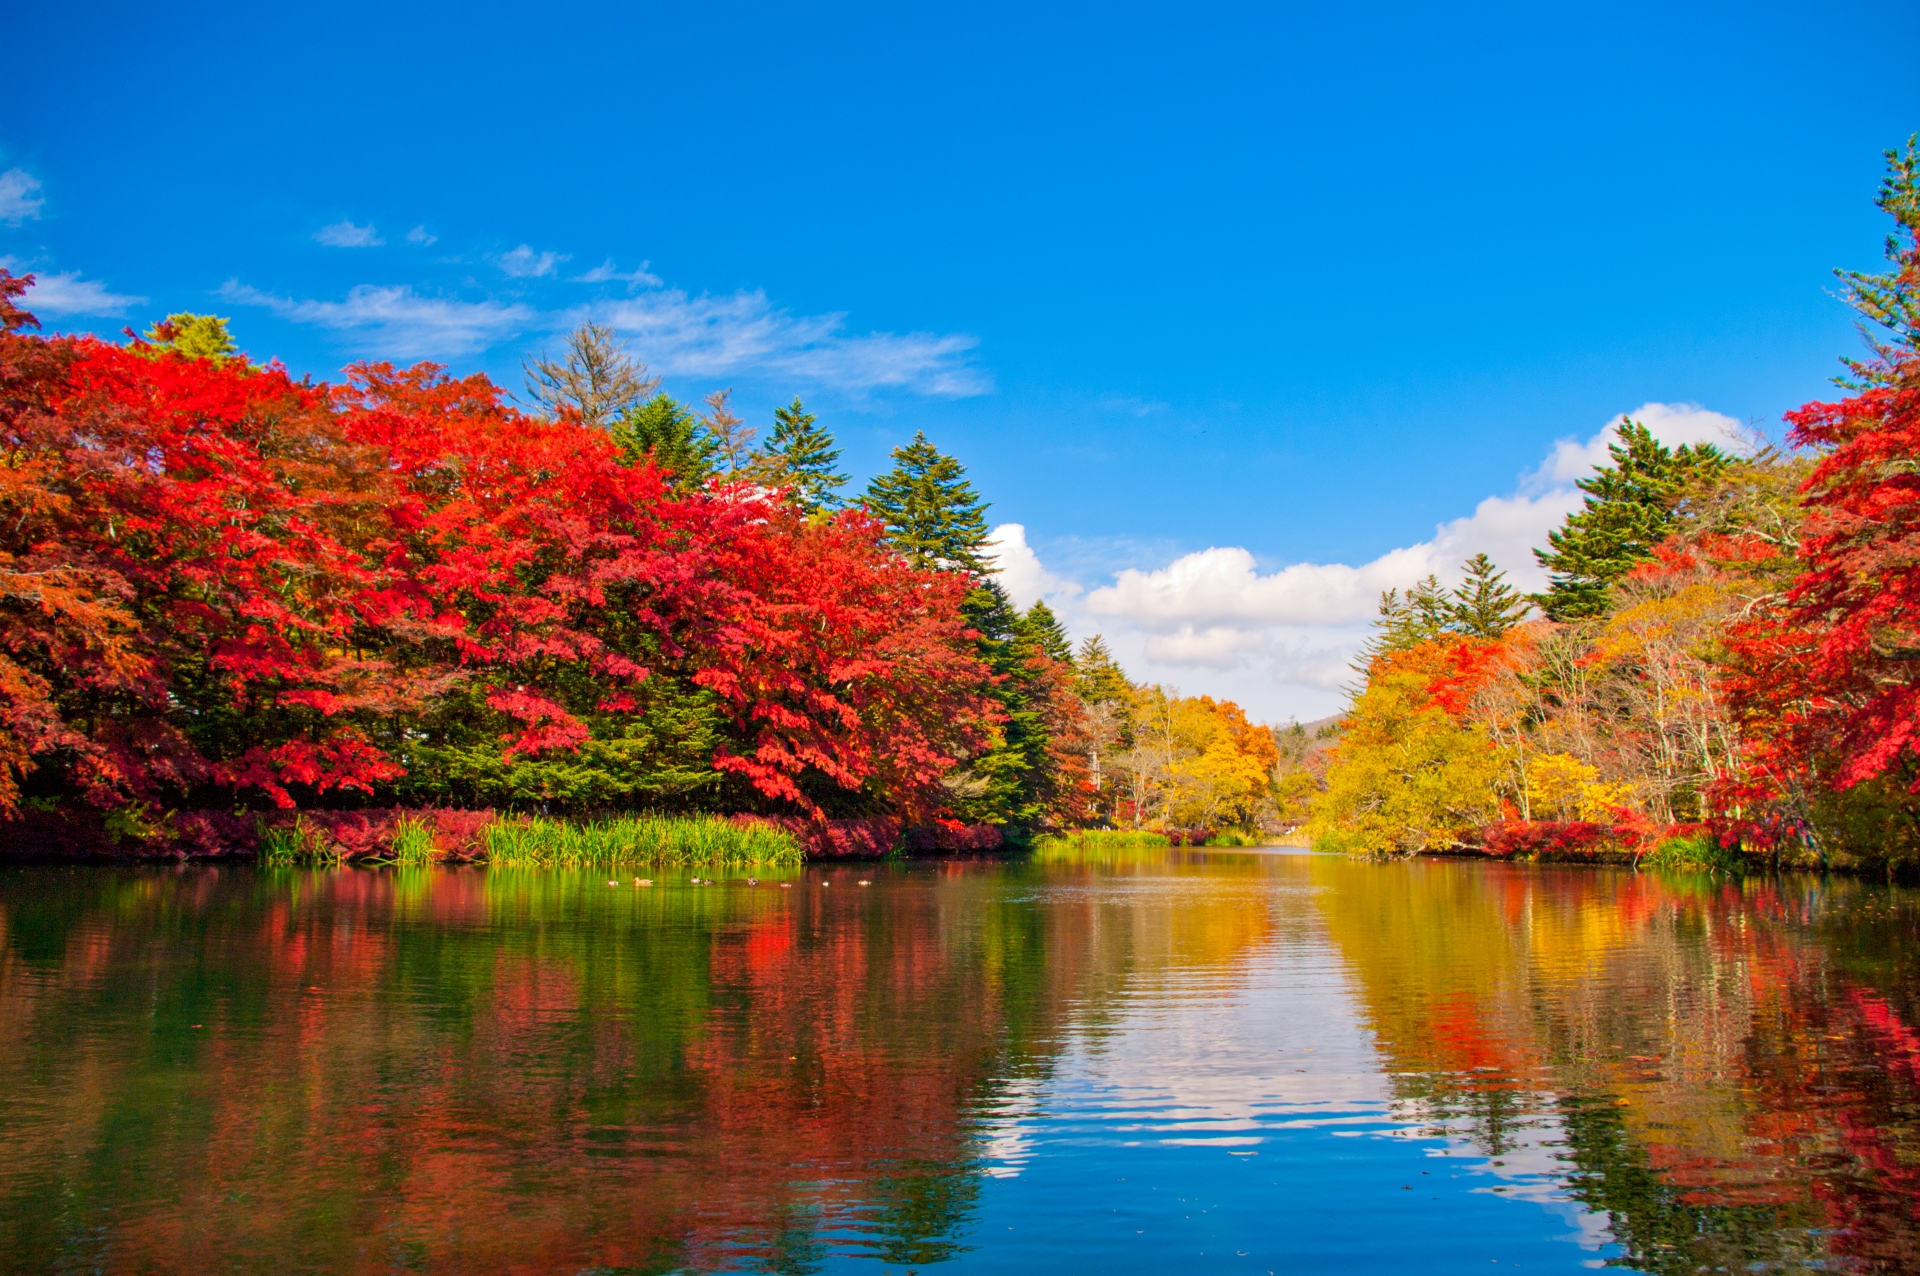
x: 1097, y: 676
x: 1485, y: 606
x: 1043, y: 631
x: 800, y: 455
x: 672, y: 437
x: 931, y: 512
x: 1628, y: 510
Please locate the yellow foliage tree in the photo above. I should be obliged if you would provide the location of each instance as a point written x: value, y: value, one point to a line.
x: 1197, y: 762
x: 1407, y: 775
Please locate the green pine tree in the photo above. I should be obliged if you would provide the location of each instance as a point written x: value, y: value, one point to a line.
x: 1042, y: 631
x: 931, y: 512
x: 1628, y: 510
x: 196, y: 336
x: 1098, y: 677
x: 1891, y: 298
x: 1422, y: 614
x: 1485, y: 606
x: 671, y: 435
x: 800, y: 455
x: 1007, y: 784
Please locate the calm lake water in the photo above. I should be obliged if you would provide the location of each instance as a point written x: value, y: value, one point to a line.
x: 1169, y: 1061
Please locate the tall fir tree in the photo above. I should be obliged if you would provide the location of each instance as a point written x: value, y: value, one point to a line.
x: 1007, y: 781
x: 1098, y: 677
x: 932, y: 514
x: 1042, y: 631
x: 673, y: 437
x: 1484, y: 605
x: 801, y: 457
x: 1422, y: 614
x: 1628, y: 510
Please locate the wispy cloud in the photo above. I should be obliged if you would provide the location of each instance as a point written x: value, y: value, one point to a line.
x: 710, y: 336
x: 67, y: 293
x: 396, y: 321
x: 418, y: 235
x: 20, y: 197
x: 741, y: 334
x: 1284, y: 640
x: 606, y: 271
x: 524, y: 263
x: 344, y: 234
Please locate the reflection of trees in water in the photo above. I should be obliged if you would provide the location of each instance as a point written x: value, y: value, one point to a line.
x: 1701, y: 1060
x: 467, y: 1071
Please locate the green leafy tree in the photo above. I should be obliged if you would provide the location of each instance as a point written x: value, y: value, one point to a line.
x: 196, y: 336
x: 1042, y: 631
x: 931, y: 512
x: 673, y: 437
x: 1628, y: 510
x: 800, y: 456
x: 1485, y: 606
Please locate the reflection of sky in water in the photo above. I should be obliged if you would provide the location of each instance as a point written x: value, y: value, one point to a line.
x: 1207, y: 1106
x: 1166, y: 1062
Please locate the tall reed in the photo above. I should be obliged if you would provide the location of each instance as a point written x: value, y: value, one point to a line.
x: 296, y: 843
x: 412, y: 841
x: 670, y: 841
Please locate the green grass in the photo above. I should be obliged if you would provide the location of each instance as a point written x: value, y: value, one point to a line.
x: 296, y: 843
x: 1234, y: 837
x: 1700, y: 853
x: 412, y: 842
x: 703, y: 840
x: 1100, y: 840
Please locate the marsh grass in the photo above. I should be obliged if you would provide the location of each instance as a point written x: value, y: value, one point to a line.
x: 412, y: 842
x: 1695, y: 853
x: 1101, y: 840
x: 669, y: 841
x: 296, y: 843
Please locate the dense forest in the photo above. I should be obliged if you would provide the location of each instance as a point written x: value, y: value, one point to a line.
x: 224, y: 588
x: 1723, y: 664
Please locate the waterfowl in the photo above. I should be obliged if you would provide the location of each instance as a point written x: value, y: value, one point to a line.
x: 753, y: 881
x: 865, y: 882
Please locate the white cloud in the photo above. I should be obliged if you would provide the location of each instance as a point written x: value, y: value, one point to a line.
x: 344, y: 234
x: 524, y: 263
x: 419, y: 235
x: 68, y: 294
x: 20, y: 197
x: 711, y: 336
x: 606, y: 270
x: 397, y: 322
x: 1283, y: 641
x: 1021, y: 574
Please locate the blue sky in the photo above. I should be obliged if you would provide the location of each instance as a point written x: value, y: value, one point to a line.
x: 1249, y: 304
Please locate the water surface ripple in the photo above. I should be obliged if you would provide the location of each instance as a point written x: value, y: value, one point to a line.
x: 1154, y: 1061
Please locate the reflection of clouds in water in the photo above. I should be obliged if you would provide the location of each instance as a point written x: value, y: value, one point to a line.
x: 1006, y: 1135
x: 1531, y: 1163
x: 1231, y: 1056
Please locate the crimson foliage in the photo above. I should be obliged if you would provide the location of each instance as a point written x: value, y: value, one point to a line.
x: 219, y: 583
